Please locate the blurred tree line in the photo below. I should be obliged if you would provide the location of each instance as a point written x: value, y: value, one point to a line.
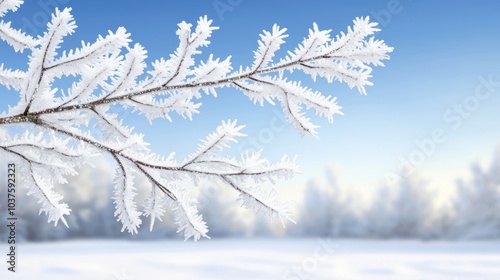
x: 405, y: 210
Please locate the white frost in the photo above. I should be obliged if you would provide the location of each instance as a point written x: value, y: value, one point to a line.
x: 68, y: 126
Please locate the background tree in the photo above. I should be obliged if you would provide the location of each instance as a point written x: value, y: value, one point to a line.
x: 403, y: 210
x: 315, y: 218
x: 65, y: 127
x: 477, y: 203
x: 219, y: 214
x: 328, y: 211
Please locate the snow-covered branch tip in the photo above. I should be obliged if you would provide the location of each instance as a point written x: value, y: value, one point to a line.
x: 67, y: 126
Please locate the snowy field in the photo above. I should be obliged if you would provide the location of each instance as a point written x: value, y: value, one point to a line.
x: 257, y: 259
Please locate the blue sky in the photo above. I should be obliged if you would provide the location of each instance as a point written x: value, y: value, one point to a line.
x: 442, y: 48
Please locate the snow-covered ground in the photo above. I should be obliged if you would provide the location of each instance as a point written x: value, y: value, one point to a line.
x: 257, y: 259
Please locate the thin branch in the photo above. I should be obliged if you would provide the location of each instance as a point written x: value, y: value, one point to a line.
x: 168, y: 88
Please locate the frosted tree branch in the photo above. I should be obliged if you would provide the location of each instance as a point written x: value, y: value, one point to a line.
x: 70, y: 126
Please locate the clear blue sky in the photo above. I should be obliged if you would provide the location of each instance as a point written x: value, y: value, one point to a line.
x: 441, y: 50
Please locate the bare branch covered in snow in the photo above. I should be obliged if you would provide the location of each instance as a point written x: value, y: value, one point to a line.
x: 61, y: 123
